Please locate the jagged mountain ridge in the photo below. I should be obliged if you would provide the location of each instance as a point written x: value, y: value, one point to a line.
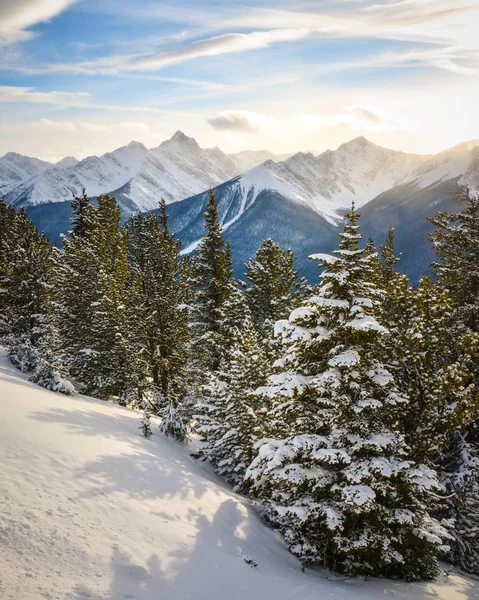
x: 265, y: 202
x: 139, y: 177
x: 298, y: 201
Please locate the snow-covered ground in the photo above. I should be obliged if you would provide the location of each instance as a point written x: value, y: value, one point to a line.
x: 91, y: 509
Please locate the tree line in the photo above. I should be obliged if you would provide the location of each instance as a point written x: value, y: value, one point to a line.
x: 348, y: 409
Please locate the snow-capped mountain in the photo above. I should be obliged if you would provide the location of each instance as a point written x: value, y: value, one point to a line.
x: 299, y: 202
x: 357, y: 171
x: 16, y: 169
x: 138, y: 177
x: 68, y: 161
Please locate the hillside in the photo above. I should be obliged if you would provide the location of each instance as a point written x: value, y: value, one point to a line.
x: 91, y: 509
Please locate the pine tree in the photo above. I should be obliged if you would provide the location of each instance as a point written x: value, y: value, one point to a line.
x: 92, y: 283
x: 460, y: 466
x: 159, y: 316
x: 26, y: 298
x: 434, y: 371
x: 82, y: 215
x: 145, y: 423
x: 456, y: 244
x: 7, y: 221
x: 274, y: 289
x: 214, y: 272
x: 49, y: 371
x: 230, y: 415
x: 338, y: 483
x: 389, y: 259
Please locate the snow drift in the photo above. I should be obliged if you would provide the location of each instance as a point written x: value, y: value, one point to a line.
x: 91, y: 509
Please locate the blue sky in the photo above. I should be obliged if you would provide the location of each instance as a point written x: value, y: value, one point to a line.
x: 80, y: 77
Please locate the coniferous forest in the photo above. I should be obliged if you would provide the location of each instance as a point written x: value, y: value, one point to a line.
x: 347, y: 409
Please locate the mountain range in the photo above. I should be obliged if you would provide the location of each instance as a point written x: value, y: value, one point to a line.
x: 297, y: 200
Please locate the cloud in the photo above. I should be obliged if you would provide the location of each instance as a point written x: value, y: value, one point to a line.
x: 442, y: 24
x: 222, y: 44
x: 215, y: 46
x: 356, y: 117
x: 16, y: 16
x: 10, y: 93
x: 237, y: 120
x: 13, y: 94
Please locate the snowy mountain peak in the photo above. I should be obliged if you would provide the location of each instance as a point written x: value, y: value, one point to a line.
x: 136, y: 145
x: 180, y: 139
x: 68, y: 161
x: 179, y: 135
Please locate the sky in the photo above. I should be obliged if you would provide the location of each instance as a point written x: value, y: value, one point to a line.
x: 83, y: 77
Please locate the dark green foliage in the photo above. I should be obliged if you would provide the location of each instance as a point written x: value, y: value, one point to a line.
x: 229, y: 415
x: 159, y: 316
x: 213, y: 275
x: 91, y: 282
x: 273, y: 288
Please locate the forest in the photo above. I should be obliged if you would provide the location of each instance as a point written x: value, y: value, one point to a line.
x: 347, y: 409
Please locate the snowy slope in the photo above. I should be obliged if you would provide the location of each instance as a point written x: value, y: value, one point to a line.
x: 461, y: 161
x: 16, y: 169
x: 358, y: 170
x: 91, y: 509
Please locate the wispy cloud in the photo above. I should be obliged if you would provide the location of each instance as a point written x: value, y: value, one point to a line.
x: 215, y: 46
x: 442, y: 24
x: 17, y: 16
x: 9, y: 93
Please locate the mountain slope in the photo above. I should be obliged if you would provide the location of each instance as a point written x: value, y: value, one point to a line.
x: 327, y: 184
x: 91, y: 509
x: 299, y: 202
x: 138, y: 177
x: 16, y: 169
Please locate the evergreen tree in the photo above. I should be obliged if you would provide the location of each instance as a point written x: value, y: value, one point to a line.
x: 159, y: 316
x: 82, y: 215
x: 213, y: 272
x: 338, y: 482
x: 7, y: 249
x: 230, y: 415
x: 145, y: 423
x: 434, y: 371
x: 456, y: 244
x: 92, y: 277
x: 389, y: 259
x: 273, y: 290
x: 460, y: 464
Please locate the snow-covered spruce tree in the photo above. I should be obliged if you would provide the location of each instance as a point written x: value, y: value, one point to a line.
x: 230, y: 415
x: 92, y: 276
x: 145, y: 423
x: 7, y: 221
x: 213, y: 274
x: 456, y: 244
x: 272, y: 288
x: 389, y: 259
x: 339, y: 484
x: 460, y: 475
x: 26, y: 276
x: 433, y: 371
x: 159, y: 316
x: 49, y: 371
